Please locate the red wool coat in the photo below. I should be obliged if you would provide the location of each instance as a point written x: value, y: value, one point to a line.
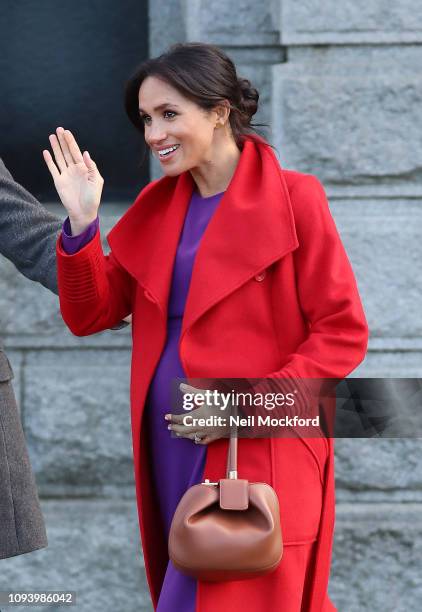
x: 272, y: 294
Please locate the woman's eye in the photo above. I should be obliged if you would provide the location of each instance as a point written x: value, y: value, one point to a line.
x: 146, y: 118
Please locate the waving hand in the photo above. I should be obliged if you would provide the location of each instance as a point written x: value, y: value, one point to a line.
x: 76, y: 178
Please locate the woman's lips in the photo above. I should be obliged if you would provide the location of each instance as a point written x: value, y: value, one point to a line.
x: 168, y: 156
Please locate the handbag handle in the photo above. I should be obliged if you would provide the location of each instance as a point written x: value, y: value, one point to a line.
x: 232, y: 458
x: 232, y: 454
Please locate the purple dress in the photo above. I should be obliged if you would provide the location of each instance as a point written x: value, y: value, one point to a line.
x: 178, y: 463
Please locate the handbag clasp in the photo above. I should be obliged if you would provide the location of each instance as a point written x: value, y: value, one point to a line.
x: 208, y: 482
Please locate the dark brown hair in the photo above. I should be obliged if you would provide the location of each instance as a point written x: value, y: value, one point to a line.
x: 204, y: 74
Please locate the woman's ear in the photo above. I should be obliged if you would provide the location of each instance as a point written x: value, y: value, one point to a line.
x: 222, y: 111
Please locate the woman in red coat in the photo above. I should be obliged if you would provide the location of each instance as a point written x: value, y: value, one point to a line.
x: 269, y: 293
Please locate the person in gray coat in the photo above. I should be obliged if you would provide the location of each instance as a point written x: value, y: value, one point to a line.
x: 28, y: 235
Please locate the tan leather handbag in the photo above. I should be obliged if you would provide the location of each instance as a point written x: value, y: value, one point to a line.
x: 227, y: 530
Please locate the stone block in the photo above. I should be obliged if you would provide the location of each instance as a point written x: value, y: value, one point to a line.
x: 375, y: 469
x: 382, y: 240
x: 240, y: 23
x: 355, y: 125
x: 376, y: 557
x: 376, y: 22
x: 77, y: 420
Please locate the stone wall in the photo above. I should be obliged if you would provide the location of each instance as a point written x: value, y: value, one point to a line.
x: 341, y: 92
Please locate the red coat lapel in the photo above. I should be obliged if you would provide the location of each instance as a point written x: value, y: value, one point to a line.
x: 252, y: 227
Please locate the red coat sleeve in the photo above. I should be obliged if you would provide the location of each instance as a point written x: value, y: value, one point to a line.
x: 95, y: 292
x: 329, y: 299
x: 327, y: 289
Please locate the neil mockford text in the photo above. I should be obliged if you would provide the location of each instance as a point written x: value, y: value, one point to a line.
x: 250, y: 421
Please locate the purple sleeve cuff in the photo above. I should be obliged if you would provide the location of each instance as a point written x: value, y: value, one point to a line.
x: 73, y: 244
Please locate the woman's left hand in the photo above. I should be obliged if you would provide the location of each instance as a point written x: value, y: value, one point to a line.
x: 206, y: 434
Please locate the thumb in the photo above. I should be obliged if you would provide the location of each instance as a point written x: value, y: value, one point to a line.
x: 90, y: 163
x: 93, y: 174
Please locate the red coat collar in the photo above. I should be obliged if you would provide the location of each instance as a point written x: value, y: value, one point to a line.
x: 252, y: 227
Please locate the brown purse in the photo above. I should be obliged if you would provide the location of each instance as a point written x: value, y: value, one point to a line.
x: 227, y: 530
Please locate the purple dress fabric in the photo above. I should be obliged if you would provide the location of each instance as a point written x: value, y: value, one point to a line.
x: 177, y: 463
x: 72, y: 244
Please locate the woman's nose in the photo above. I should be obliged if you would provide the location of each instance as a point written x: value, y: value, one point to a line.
x: 156, y: 135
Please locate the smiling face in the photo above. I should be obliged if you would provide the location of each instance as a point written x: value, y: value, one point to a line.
x: 169, y: 119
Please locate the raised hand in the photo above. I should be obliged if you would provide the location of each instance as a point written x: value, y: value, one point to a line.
x: 200, y: 434
x: 76, y: 178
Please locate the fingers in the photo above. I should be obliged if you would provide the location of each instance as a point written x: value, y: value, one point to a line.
x: 66, y: 150
x: 176, y: 418
x: 189, y: 389
x: 182, y: 429
x: 73, y: 147
x: 64, y: 146
x: 51, y: 165
x: 203, y: 438
x: 58, y: 154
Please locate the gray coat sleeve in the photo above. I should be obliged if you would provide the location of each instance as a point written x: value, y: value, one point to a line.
x: 28, y: 232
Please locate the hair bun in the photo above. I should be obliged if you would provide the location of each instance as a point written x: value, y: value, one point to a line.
x: 249, y: 97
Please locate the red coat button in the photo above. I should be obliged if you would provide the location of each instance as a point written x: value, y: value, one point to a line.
x: 260, y: 276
